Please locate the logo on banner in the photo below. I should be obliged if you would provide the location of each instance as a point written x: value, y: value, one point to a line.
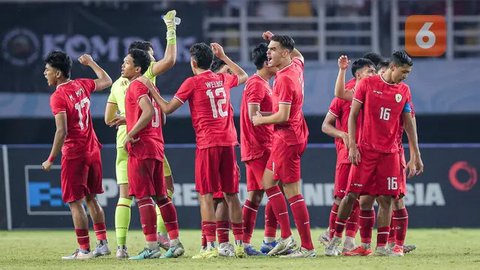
x: 20, y: 47
x: 462, y: 183
x: 44, y: 194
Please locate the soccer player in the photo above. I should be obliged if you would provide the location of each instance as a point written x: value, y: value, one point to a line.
x: 289, y: 143
x: 385, y: 100
x: 208, y: 94
x: 81, y: 175
x: 399, y: 222
x: 256, y: 143
x: 145, y: 147
x: 335, y: 125
x: 116, y: 103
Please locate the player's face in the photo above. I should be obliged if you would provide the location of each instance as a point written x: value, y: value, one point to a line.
x: 366, y: 71
x: 275, y: 53
x: 52, y: 75
x: 128, y: 67
x: 400, y: 73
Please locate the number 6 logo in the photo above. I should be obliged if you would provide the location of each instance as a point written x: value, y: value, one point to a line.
x: 425, y: 35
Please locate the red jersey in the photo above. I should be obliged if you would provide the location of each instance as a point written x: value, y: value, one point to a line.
x: 383, y: 105
x: 151, y: 144
x: 340, y: 108
x: 288, y: 89
x: 255, y: 140
x: 73, y: 98
x: 350, y: 85
x: 208, y: 95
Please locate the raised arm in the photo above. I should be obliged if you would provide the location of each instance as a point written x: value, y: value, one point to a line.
x: 267, y: 35
x: 103, y: 80
x: 340, y: 90
x: 236, y: 69
x: 170, y: 56
x: 58, y: 140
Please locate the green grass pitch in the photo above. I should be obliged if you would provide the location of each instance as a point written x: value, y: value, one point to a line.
x: 436, y: 249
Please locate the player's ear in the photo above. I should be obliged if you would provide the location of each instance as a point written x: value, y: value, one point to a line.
x: 58, y: 74
x: 193, y: 63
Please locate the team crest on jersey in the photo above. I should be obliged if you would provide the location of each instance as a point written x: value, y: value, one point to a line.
x: 398, y: 98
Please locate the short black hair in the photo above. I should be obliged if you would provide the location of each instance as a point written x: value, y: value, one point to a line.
x: 400, y: 58
x: 384, y: 63
x: 259, y: 55
x: 360, y: 63
x: 140, y: 59
x: 217, y: 64
x: 202, y: 54
x: 61, y: 61
x: 141, y: 45
x: 285, y: 41
x: 374, y: 57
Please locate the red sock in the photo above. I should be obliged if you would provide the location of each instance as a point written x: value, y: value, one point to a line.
x: 302, y: 220
x: 270, y: 221
x: 332, y: 219
x: 169, y: 215
x: 209, y: 228
x: 237, y: 229
x: 339, y: 226
x: 352, y: 222
x: 204, y: 238
x: 401, y: 217
x: 382, y: 236
x: 83, y: 239
x: 366, y: 220
x: 223, y: 231
x: 280, y: 209
x: 148, y: 218
x: 100, y: 231
x: 249, y: 217
x: 393, y: 228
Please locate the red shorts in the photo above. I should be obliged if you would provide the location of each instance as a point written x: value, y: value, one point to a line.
x: 380, y: 171
x: 218, y: 195
x: 402, y: 181
x: 341, y: 179
x: 285, y: 161
x: 145, y: 178
x: 255, y: 169
x: 216, y: 170
x: 81, y: 177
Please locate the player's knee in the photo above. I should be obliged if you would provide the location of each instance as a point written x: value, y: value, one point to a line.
x: 351, y: 198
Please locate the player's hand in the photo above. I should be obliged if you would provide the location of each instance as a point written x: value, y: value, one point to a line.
x: 169, y: 19
x: 47, y: 165
x: 415, y: 167
x: 257, y: 119
x: 85, y: 59
x: 267, y: 35
x: 343, y: 62
x: 218, y: 50
x: 345, y: 139
x: 149, y: 84
x: 354, y: 155
x: 129, y: 139
x: 117, y: 121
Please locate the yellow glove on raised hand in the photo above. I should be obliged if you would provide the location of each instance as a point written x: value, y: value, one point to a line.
x: 169, y: 20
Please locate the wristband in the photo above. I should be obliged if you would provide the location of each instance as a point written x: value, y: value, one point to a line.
x: 51, y: 159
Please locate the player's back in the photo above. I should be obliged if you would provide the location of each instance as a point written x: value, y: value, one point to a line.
x: 288, y: 88
x: 73, y: 97
x: 383, y: 105
x: 208, y: 94
x: 151, y: 143
x: 254, y: 140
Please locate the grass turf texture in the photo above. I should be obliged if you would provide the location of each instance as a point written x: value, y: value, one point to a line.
x: 436, y: 249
